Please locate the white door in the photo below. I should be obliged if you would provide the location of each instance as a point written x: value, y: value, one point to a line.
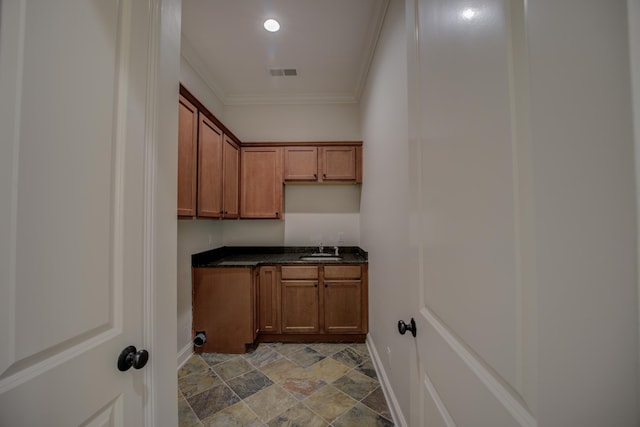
x: 524, y: 228
x: 77, y: 214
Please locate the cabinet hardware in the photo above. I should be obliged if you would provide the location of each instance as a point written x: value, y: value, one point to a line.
x: 403, y: 327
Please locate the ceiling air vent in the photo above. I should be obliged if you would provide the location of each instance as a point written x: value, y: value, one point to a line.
x: 275, y: 72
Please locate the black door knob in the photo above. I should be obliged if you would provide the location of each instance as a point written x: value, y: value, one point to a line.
x: 403, y: 327
x: 131, y: 357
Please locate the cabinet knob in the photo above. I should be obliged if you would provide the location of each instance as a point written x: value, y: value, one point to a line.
x: 277, y: 214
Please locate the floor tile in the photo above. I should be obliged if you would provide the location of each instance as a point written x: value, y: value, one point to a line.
x: 328, y: 370
x: 302, y: 388
x: 355, y: 384
x: 349, y: 357
x: 287, y: 349
x: 297, y: 416
x: 232, y: 368
x: 306, y: 357
x: 328, y: 348
x: 211, y: 401
x: 193, y: 365
x: 282, y: 369
x: 270, y: 402
x: 376, y: 401
x: 262, y: 356
x: 360, y: 348
x: 214, y: 359
x: 329, y: 403
x: 198, y: 382
x: 303, y: 385
x: 186, y: 416
x: 247, y: 384
x: 238, y: 415
x: 368, y: 369
x: 361, y: 416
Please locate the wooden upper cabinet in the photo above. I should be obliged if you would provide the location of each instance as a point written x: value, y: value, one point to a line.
x: 324, y: 163
x: 300, y: 163
x: 230, y: 179
x: 338, y: 163
x: 261, y: 182
x: 209, y: 169
x: 187, y: 157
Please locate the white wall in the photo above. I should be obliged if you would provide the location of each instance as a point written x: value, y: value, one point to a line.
x: 634, y: 47
x: 584, y: 213
x: 384, y: 218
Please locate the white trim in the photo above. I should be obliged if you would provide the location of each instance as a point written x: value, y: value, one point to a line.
x: 150, y: 178
x: 444, y: 414
x: 392, y: 401
x: 499, y: 391
x: 185, y: 354
x: 373, y: 35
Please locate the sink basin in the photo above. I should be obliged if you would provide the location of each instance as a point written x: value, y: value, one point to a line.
x: 320, y: 257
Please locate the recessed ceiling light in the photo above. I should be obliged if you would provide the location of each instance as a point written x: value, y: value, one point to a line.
x: 469, y: 13
x: 271, y: 25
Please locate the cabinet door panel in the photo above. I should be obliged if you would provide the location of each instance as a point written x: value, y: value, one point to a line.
x: 300, y: 163
x: 209, y: 169
x: 261, y: 184
x: 300, y: 306
x: 269, y: 300
x: 338, y: 163
x: 187, y: 155
x: 223, y: 308
x: 231, y: 172
x: 343, y: 306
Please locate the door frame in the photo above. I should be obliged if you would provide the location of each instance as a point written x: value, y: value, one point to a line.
x: 160, y: 234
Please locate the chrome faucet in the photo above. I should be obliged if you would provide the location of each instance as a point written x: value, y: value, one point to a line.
x: 335, y: 251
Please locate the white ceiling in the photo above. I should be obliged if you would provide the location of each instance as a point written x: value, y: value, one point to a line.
x: 329, y: 42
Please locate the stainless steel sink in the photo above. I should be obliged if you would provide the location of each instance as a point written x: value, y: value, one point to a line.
x: 320, y: 257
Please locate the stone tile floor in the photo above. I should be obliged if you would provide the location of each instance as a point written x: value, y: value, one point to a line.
x: 306, y: 385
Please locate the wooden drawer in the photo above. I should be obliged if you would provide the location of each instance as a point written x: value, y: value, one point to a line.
x: 299, y: 272
x: 342, y: 272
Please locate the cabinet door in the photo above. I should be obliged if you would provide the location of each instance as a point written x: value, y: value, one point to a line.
x: 261, y: 183
x: 300, y: 163
x: 231, y: 175
x: 209, y: 169
x: 187, y: 157
x: 223, y: 308
x: 343, y: 306
x: 268, y: 300
x: 338, y: 163
x: 300, y: 306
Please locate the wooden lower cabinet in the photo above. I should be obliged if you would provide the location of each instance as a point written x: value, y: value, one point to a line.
x: 319, y: 302
x: 223, y: 307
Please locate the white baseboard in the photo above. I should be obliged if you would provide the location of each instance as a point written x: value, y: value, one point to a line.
x: 392, y: 401
x: 184, y: 354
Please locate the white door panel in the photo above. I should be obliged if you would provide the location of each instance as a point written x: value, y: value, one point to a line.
x: 73, y: 80
x: 469, y: 314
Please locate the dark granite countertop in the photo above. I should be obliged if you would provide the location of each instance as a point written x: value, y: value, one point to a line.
x: 251, y: 256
